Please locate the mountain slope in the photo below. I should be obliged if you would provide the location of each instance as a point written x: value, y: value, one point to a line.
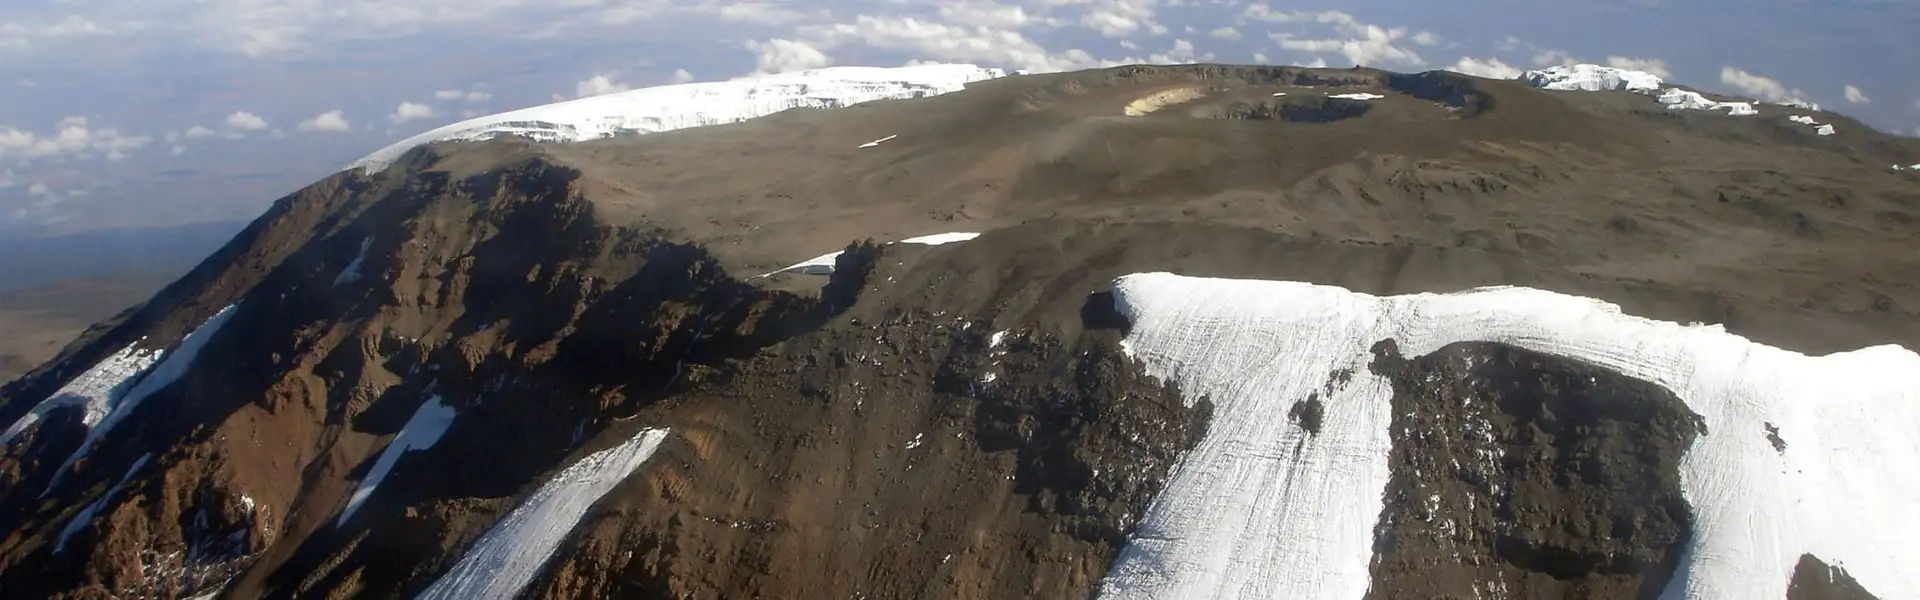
x: 970, y: 419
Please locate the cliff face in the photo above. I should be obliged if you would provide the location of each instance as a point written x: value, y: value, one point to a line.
x: 346, y: 398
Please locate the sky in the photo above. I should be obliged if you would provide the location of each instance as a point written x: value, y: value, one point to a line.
x: 134, y: 113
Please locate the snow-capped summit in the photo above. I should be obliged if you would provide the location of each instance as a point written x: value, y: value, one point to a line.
x: 664, y: 108
x: 1591, y: 78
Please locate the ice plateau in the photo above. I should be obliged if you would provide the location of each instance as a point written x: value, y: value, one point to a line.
x: 1253, y: 512
x: 1591, y: 78
x: 664, y: 108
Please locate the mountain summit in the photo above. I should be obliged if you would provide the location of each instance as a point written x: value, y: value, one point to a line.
x: 1200, y: 331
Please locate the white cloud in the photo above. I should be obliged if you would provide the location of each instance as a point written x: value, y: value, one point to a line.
x: 934, y: 40
x: 179, y: 150
x: 245, y: 121
x: 1120, y: 18
x: 1651, y: 65
x: 598, y: 85
x: 1491, y: 68
x: 7, y: 179
x: 1426, y: 38
x: 457, y: 95
x: 990, y: 14
x: 783, y: 55
x: 198, y: 133
x: 72, y: 137
x: 1260, y: 57
x: 1855, y: 96
x: 682, y: 76
x: 331, y: 120
x: 1225, y: 33
x: 409, y: 111
x: 1764, y: 88
x: 764, y: 13
x: 38, y: 189
x: 1369, y: 45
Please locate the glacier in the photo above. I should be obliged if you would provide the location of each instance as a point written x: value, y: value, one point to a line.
x: 507, y: 557
x: 421, y: 432
x: 665, y: 108
x: 1596, y: 78
x: 1591, y: 78
x: 95, y: 391
x: 1253, y: 512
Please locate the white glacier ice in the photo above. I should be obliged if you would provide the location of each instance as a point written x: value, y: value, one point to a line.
x: 158, y: 377
x: 96, y: 391
x: 823, y: 264
x: 1256, y: 510
x: 85, y: 516
x: 506, y: 558
x: 351, y: 273
x: 1823, y: 130
x: 421, y: 432
x: 1802, y: 119
x: 1591, y: 78
x: 664, y: 108
x: 1679, y: 99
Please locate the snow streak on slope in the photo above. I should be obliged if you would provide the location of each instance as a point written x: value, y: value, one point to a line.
x: 1591, y: 78
x: 1259, y: 511
x: 511, y: 554
x: 95, y: 392
x: 159, y: 377
x: 823, y: 264
x: 85, y: 516
x: 1679, y: 99
x: 421, y: 432
x: 351, y: 273
x: 664, y: 108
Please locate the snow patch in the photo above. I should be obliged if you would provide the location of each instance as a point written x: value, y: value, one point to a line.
x: 1591, y: 78
x: 1802, y: 119
x: 1358, y: 96
x: 96, y: 391
x: 1155, y: 101
x: 158, y: 377
x: 823, y: 264
x: 1679, y: 99
x: 352, y: 272
x: 506, y: 558
x: 879, y: 141
x: 1823, y: 130
x: 421, y: 432
x: 670, y: 107
x: 1260, y: 511
x: 85, y: 516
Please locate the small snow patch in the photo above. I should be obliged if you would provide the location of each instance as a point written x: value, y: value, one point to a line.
x: 85, y: 516
x: 915, y: 442
x: 823, y: 264
x: 421, y: 432
x: 1823, y: 130
x: 1358, y: 96
x: 352, y: 272
x: 879, y: 141
x: 1802, y: 119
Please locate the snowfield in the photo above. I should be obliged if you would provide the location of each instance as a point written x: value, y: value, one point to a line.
x: 665, y: 108
x: 512, y: 553
x: 421, y: 432
x: 823, y: 264
x: 1596, y: 78
x: 1257, y: 511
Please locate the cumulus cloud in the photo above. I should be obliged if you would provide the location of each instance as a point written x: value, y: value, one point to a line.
x: 1366, y: 44
x: 1764, y: 88
x: 598, y: 85
x: 199, y: 133
x: 1120, y: 18
x: 1225, y: 33
x: 72, y: 137
x: 991, y: 14
x: 783, y: 55
x: 764, y: 13
x: 242, y: 120
x: 409, y: 111
x: 1855, y: 96
x: 331, y: 120
x: 682, y: 76
x: 1651, y: 65
x: 1491, y: 68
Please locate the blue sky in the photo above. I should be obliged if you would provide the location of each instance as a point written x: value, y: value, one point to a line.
x: 151, y: 112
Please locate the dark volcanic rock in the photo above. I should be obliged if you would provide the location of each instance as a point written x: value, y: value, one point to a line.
x: 1814, y: 579
x: 1518, y: 474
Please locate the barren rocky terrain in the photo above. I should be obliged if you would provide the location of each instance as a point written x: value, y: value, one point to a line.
x: 951, y: 421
